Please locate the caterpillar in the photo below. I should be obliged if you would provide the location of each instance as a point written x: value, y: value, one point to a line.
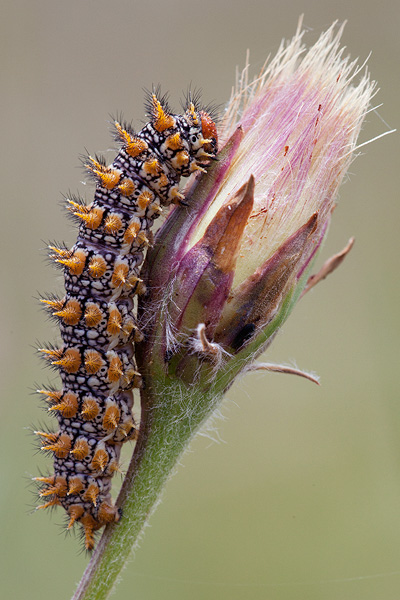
x: 96, y: 318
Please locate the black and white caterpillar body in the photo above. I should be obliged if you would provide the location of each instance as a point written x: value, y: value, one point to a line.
x: 96, y: 319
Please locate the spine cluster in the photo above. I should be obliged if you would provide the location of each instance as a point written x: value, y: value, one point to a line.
x: 96, y: 316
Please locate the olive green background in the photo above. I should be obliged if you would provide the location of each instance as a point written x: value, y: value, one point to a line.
x: 301, y: 497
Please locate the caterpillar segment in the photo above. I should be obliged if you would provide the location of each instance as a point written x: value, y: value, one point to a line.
x: 96, y: 318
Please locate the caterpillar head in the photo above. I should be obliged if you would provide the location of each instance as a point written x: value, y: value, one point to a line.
x: 209, y: 131
x: 202, y: 134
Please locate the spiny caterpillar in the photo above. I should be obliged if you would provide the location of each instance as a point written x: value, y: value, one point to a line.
x: 96, y: 316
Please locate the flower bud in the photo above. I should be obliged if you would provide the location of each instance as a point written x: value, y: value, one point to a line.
x: 236, y: 259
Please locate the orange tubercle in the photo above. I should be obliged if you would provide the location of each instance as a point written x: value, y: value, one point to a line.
x: 75, y: 512
x: 107, y: 176
x: 93, y: 314
x: 113, y: 223
x: 162, y: 120
x: 182, y: 158
x: 131, y: 232
x: 51, y: 395
x: 80, y: 449
x: 70, y: 313
x: 119, y: 275
x: 174, y: 142
x: 93, y: 361
x: 144, y: 200
x: 163, y: 180
x: 191, y: 112
x: 92, y: 219
x: 56, y: 304
x: 127, y: 187
x: 90, y: 409
x: 91, y: 493
x: 97, y: 266
x: 70, y: 361
x: 115, y: 371
x: 89, y: 526
x: 152, y: 167
x: 75, y: 486
x: 61, y: 447
x: 69, y: 405
x: 111, y: 417
x: 133, y: 145
x: 58, y: 488
x: 114, y: 322
x: 76, y: 263
x: 107, y: 513
x: 100, y: 460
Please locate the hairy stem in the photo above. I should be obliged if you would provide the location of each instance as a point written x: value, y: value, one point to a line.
x: 166, y: 429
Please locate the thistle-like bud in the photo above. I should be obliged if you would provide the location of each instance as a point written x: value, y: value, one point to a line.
x: 226, y: 270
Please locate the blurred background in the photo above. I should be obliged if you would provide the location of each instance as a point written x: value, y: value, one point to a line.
x: 300, y: 498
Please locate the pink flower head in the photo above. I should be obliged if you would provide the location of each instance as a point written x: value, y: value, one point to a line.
x: 239, y: 257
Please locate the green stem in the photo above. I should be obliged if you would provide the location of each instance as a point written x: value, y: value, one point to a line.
x: 166, y: 429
